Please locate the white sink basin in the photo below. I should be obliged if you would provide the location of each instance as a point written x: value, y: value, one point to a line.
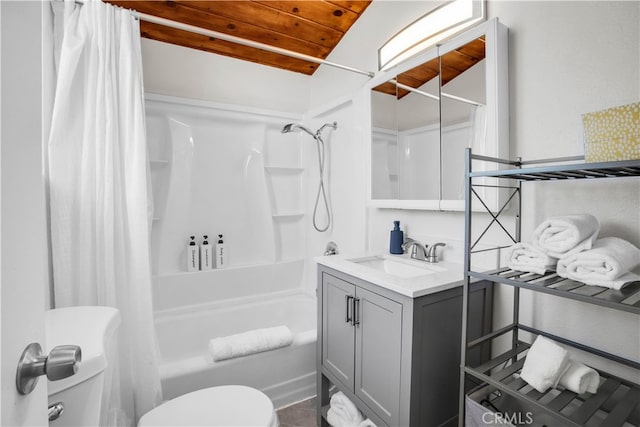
x: 399, y: 267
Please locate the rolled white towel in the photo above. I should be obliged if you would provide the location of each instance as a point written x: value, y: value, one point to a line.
x: 250, y: 342
x: 528, y: 257
x: 565, y: 235
x: 580, y: 378
x: 606, y: 264
x: 343, y: 413
x: 346, y: 407
x: 545, y: 363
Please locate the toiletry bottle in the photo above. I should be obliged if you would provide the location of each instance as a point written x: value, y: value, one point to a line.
x: 396, y: 240
x: 193, y: 255
x: 221, y: 255
x: 206, y: 255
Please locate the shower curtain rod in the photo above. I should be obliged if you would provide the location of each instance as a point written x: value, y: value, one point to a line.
x: 239, y: 40
x: 428, y: 95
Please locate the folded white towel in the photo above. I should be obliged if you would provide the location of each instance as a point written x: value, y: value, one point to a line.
x: 250, y: 342
x: 606, y: 264
x: 528, y: 257
x: 580, y: 378
x: 367, y: 423
x: 545, y: 363
x: 343, y: 413
x: 565, y: 235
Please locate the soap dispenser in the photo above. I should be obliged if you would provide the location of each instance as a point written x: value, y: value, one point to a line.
x: 221, y: 256
x: 206, y: 255
x: 193, y: 255
x: 396, y: 240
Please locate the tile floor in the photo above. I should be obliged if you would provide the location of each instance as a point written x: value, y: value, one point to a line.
x: 301, y: 414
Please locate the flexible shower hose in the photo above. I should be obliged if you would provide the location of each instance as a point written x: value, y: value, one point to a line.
x: 321, y: 190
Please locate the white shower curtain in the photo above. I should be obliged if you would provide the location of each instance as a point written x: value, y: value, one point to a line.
x: 99, y: 189
x: 477, y: 141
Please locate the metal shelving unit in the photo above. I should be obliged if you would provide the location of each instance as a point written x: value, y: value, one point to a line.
x: 617, y: 401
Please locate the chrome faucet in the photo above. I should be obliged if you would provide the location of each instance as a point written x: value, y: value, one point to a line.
x: 415, y: 245
x: 331, y: 249
x: 432, y: 256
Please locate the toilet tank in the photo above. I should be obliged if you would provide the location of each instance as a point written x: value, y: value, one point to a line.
x: 84, y: 395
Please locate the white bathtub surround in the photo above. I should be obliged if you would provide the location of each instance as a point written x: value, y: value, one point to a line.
x: 250, y: 342
x: 224, y: 169
x: 194, y: 308
x: 218, y: 287
x: 98, y: 183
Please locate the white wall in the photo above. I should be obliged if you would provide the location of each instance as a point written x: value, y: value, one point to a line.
x: 565, y: 59
x: 189, y: 73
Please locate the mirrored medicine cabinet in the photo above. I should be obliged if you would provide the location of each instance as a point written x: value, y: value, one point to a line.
x: 426, y: 111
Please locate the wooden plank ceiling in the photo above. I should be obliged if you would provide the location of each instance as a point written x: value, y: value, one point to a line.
x: 448, y: 66
x: 310, y: 27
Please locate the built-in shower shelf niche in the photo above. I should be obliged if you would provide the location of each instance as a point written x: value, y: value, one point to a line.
x: 287, y: 215
x: 284, y: 174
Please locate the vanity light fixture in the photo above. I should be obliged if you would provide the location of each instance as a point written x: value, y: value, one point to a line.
x: 437, y: 25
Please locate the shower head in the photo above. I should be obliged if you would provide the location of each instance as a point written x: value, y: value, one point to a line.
x: 290, y: 127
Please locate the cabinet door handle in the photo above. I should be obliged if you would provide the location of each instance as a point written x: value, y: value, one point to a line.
x: 356, y: 312
x: 349, y: 317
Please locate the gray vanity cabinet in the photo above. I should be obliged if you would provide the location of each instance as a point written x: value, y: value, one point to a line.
x: 397, y: 358
x: 338, y: 334
x: 361, y: 334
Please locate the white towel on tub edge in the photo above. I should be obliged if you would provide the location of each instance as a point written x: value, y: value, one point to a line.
x: 250, y: 342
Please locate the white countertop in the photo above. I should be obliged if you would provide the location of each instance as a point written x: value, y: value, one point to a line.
x: 448, y: 275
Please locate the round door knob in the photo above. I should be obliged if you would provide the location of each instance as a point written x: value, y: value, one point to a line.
x: 63, y: 361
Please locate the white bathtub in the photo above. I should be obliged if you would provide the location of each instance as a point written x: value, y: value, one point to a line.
x: 286, y: 375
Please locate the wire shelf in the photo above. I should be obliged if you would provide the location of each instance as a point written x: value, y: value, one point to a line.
x: 626, y: 299
x: 616, y: 402
x: 626, y: 168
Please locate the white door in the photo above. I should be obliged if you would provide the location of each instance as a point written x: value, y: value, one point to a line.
x: 23, y: 254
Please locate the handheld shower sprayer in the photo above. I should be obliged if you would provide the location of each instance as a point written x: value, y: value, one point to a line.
x: 290, y: 127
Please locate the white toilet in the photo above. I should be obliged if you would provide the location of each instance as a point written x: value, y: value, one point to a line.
x: 228, y: 405
x: 83, y: 394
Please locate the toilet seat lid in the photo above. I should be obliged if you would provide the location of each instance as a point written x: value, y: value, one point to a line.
x: 231, y: 405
